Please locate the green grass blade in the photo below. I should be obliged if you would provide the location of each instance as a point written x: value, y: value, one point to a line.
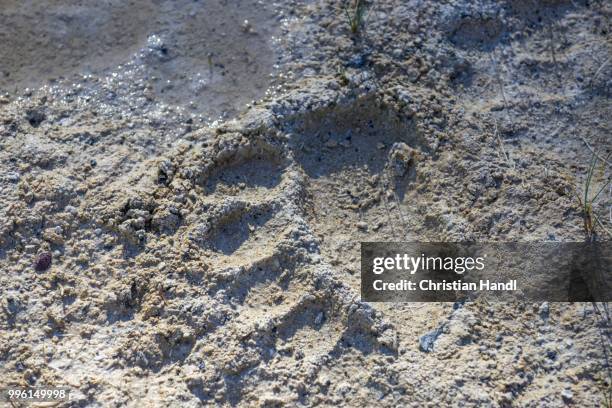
x: 589, y: 178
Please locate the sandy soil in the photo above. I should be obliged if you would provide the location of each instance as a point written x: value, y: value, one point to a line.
x: 206, y: 247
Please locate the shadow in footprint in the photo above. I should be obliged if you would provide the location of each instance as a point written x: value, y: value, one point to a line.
x: 232, y: 234
x: 483, y: 33
x: 543, y: 11
x: 358, y: 136
x: 258, y: 172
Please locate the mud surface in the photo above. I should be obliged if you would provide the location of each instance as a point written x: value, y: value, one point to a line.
x: 216, y: 263
x: 212, y: 57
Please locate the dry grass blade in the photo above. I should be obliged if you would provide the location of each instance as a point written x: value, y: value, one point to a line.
x: 501, y: 145
x: 601, y: 67
x: 552, y: 48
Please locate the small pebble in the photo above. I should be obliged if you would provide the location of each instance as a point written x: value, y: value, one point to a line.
x: 544, y: 311
x: 43, y: 261
x: 567, y: 395
x: 319, y: 319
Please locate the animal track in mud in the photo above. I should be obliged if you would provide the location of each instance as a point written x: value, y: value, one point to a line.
x: 477, y: 32
x: 256, y: 175
x: 261, y: 295
x: 346, y: 154
x: 251, y: 237
x: 247, y: 225
x: 485, y: 32
x: 304, y: 326
x: 537, y: 11
x: 355, y: 136
x: 228, y: 237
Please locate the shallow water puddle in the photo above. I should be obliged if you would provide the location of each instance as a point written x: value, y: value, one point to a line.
x: 44, y: 40
x: 219, y: 57
x: 211, y: 55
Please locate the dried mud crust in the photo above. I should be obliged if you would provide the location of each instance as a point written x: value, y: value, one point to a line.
x: 222, y: 268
